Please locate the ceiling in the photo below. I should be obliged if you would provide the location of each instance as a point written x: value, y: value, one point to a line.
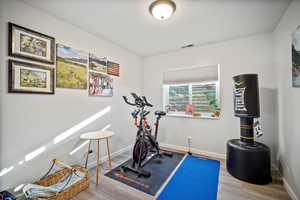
x: 128, y: 23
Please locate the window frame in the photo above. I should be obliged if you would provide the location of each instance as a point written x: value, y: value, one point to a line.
x: 207, y: 115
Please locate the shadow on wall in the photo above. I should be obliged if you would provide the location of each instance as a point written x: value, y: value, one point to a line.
x: 269, y: 120
x: 60, y: 139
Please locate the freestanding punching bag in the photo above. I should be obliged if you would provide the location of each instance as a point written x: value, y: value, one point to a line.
x: 247, y: 159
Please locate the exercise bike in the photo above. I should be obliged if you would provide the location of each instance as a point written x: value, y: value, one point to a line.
x: 146, y: 146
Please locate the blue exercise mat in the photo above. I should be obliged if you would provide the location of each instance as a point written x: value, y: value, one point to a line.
x: 196, y: 179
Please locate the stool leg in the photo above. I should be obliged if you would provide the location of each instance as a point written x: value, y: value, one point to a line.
x: 87, y: 155
x: 98, y: 158
x: 108, y: 152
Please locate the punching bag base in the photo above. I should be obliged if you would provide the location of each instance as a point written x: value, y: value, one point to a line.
x: 249, y: 162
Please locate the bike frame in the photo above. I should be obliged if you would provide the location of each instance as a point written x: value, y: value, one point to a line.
x: 145, y: 141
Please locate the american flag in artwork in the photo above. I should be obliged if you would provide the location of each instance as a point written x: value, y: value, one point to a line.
x: 113, y: 68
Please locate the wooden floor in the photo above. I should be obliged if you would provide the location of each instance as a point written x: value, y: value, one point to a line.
x: 229, y: 188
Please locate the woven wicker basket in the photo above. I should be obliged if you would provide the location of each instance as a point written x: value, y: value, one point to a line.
x: 69, y: 192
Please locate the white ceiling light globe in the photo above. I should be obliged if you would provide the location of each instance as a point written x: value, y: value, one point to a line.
x: 162, y: 9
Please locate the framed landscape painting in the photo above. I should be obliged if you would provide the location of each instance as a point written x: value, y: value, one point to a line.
x: 71, y: 68
x: 29, y: 44
x: 100, y: 85
x: 113, y: 68
x: 296, y: 57
x: 97, y: 64
x: 30, y: 78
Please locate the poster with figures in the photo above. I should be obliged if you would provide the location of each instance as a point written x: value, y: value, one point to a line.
x: 296, y: 57
x: 100, y: 85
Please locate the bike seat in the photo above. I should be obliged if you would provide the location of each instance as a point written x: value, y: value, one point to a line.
x: 160, y: 113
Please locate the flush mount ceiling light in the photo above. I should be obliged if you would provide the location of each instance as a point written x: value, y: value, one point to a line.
x: 162, y: 9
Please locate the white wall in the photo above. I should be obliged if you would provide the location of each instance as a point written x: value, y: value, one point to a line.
x: 29, y: 121
x: 248, y: 55
x: 289, y: 98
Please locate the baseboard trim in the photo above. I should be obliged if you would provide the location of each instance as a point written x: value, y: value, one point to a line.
x: 105, y: 158
x: 289, y: 190
x: 194, y: 150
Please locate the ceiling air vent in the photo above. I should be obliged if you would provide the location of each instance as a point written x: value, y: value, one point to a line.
x: 187, y: 46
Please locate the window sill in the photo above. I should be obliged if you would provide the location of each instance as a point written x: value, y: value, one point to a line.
x: 190, y: 116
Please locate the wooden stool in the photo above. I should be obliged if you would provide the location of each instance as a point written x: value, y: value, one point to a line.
x: 97, y: 136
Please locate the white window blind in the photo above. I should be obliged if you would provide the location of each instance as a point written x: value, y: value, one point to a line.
x: 192, y: 92
x: 191, y: 75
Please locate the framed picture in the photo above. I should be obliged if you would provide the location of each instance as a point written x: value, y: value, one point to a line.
x: 30, y: 78
x: 100, y: 84
x: 113, y: 68
x: 296, y: 57
x: 71, y: 68
x: 97, y: 64
x: 29, y: 44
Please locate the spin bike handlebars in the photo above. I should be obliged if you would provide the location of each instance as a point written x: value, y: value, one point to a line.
x: 138, y: 101
x: 126, y: 100
x: 147, y: 103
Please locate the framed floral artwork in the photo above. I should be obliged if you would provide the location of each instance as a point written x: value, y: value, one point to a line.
x: 29, y: 44
x: 26, y: 77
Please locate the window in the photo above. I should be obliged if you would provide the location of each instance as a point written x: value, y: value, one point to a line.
x: 177, y: 97
x: 191, y: 99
